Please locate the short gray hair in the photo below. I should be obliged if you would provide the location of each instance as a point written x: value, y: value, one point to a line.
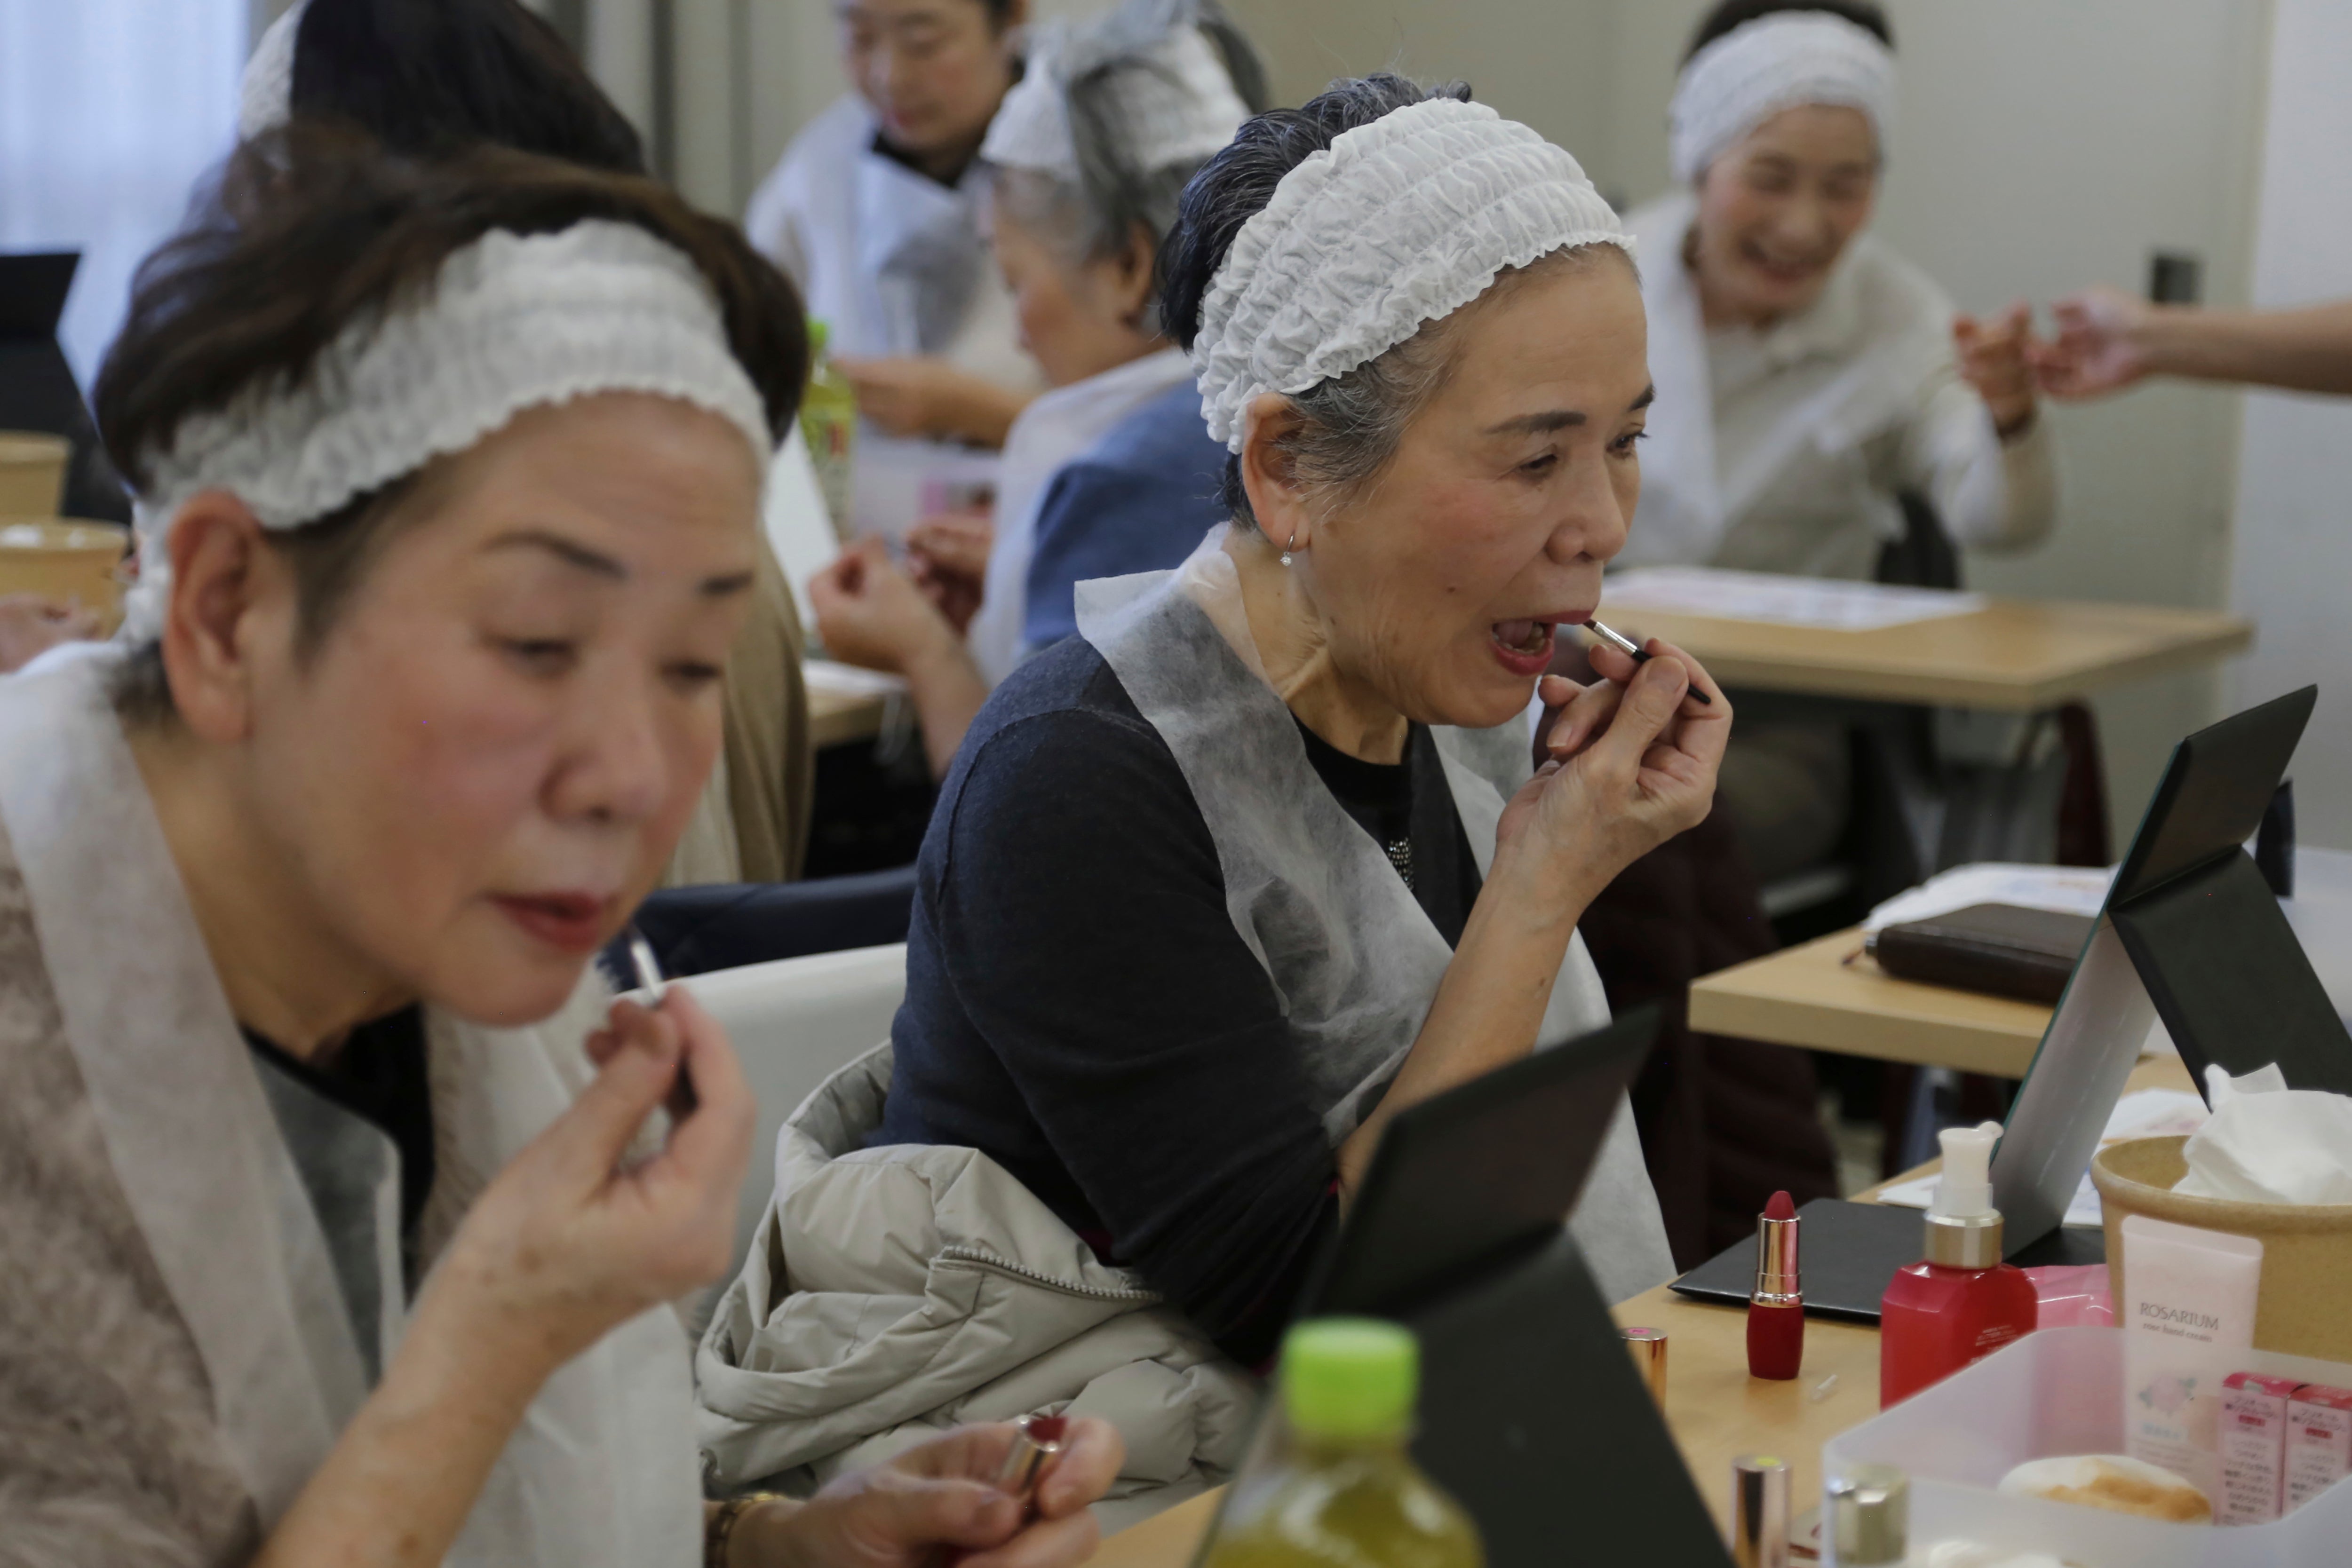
x: 1097, y: 216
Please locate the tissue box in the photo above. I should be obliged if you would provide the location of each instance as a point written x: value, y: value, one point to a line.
x: 2056, y: 1392
x: 2305, y: 1306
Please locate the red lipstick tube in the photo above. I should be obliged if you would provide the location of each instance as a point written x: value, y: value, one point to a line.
x: 1776, y: 1309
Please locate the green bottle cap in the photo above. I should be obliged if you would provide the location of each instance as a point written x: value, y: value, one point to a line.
x: 1348, y: 1378
x: 819, y: 333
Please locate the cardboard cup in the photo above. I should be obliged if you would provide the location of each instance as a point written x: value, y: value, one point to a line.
x: 67, y: 559
x: 2305, y: 1304
x: 32, y: 473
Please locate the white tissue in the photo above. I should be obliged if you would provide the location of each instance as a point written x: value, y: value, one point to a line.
x: 2268, y: 1144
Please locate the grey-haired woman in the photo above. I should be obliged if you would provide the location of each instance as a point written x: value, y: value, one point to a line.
x: 1218, y: 886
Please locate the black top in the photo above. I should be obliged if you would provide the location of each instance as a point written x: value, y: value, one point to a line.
x: 378, y: 1074
x: 1080, y: 1007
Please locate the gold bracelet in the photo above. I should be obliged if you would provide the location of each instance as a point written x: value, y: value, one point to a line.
x: 721, y: 1527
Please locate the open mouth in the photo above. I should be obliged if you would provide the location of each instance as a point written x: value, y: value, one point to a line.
x: 1783, y: 270
x: 572, y: 922
x: 1523, y: 646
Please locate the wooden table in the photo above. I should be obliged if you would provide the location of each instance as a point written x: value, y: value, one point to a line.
x: 1714, y: 1409
x: 1828, y: 996
x: 843, y: 709
x: 2014, y: 655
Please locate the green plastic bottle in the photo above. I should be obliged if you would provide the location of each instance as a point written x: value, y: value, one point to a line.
x: 829, y: 425
x: 1345, y: 1493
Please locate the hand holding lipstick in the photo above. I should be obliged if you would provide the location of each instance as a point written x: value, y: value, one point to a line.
x: 570, y: 1240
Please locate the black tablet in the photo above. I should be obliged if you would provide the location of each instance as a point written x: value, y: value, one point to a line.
x: 1532, y: 1414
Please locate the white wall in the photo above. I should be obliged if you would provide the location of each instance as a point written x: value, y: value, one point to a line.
x: 2295, y: 495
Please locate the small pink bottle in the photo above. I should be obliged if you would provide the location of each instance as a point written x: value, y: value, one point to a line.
x: 1961, y: 1302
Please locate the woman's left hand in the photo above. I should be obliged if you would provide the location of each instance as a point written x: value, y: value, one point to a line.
x: 915, y: 396
x: 941, y: 1495
x: 1996, y: 358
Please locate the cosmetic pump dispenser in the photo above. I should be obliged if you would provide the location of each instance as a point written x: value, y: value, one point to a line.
x: 1961, y: 1302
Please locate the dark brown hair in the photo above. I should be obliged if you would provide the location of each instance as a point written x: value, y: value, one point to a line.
x: 430, y: 75
x: 315, y: 228
x: 312, y: 228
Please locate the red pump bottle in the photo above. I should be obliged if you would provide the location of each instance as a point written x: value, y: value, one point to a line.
x: 1961, y: 1302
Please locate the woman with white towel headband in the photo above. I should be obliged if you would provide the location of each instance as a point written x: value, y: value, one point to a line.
x: 1255, y: 862
x: 1085, y: 161
x: 1807, y: 377
x: 343, y: 1210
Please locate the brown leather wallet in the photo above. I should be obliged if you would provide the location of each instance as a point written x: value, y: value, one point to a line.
x: 2000, y: 949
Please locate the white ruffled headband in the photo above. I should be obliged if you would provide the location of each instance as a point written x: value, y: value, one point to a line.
x: 1179, y: 107
x: 514, y: 321
x: 1400, y: 222
x: 1774, y: 63
x: 264, y: 94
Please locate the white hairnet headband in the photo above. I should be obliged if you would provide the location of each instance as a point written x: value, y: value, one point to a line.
x: 1773, y: 63
x: 513, y: 322
x: 1178, y: 107
x: 1400, y: 222
x: 264, y: 94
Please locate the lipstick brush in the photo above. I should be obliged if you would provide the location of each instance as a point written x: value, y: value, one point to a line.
x: 1635, y: 651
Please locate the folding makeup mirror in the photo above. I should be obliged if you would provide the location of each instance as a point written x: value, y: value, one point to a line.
x: 1532, y: 1412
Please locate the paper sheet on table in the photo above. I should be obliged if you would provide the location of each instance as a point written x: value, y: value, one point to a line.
x: 850, y: 680
x: 2145, y: 1113
x: 1827, y: 603
x: 2060, y: 889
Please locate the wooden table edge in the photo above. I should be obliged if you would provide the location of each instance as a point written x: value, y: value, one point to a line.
x: 1760, y: 999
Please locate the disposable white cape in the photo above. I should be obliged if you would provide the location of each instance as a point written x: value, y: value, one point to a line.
x: 2268, y: 1144
x: 1350, y: 952
x: 602, y: 1472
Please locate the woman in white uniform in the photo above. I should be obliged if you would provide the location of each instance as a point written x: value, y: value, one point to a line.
x: 1809, y: 377
x: 1086, y: 160
x: 875, y: 211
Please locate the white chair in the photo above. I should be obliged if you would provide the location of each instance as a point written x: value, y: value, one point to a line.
x: 795, y: 1021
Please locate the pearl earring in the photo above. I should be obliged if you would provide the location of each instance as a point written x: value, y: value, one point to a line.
x: 1287, y: 547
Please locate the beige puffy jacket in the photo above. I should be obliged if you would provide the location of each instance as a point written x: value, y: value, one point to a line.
x: 893, y: 1293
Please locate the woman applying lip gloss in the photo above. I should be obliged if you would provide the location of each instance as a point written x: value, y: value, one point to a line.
x: 1220, y: 885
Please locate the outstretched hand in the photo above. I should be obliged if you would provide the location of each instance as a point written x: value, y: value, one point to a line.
x: 1633, y: 763
x: 2097, y: 348
x: 942, y: 1495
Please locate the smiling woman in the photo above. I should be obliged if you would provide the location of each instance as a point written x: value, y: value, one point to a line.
x: 1220, y: 885
x: 343, y: 1207
x: 1810, y: 380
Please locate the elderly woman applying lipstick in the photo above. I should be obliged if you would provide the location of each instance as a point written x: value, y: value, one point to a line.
x: 1220, y: 885
x: 338, y: 1208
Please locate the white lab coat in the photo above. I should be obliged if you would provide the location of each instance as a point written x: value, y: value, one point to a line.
x: 894, y: 263
x: 1785, y: 450
x: 1060, y: 427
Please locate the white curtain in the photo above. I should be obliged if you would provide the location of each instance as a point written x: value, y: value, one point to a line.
x: 111, y: 110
